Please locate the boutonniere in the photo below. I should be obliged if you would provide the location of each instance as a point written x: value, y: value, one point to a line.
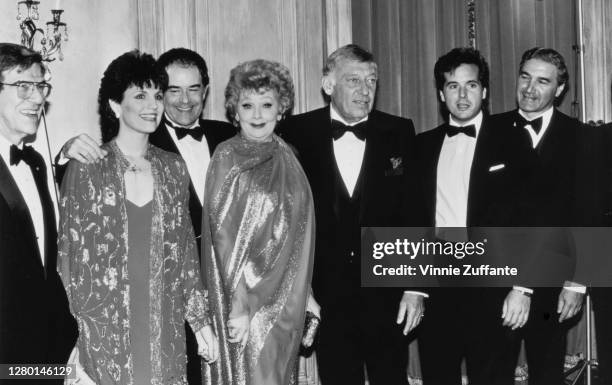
x: 396, y: 166
x: 396, y: 162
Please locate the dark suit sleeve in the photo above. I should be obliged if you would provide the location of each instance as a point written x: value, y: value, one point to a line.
x: 411, y: 208
x: 59, y: 169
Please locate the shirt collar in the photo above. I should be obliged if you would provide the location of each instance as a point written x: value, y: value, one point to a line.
x: 476, y: 121
x: 546, y: 117
x: 336, y: 116
x: 194, y: 124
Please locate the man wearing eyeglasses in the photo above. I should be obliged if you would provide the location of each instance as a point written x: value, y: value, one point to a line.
x: 35, y: 323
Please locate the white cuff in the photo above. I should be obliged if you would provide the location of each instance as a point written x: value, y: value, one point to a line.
x: 575, y: 287
x: 416, y: 292
x: 523, y: 289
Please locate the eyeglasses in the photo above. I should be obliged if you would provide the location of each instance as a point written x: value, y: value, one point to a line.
x: 26, y: 89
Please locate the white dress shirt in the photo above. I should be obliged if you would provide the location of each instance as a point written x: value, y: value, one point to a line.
x: 537, y: 137
x: 348, y: 151
x: 453, y: 176
x: 196, y: 155
x: 24, y: 179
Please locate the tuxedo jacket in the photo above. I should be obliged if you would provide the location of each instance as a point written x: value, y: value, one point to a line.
x: 550, y: 201
x: 494, y: 197
x: 382, y: 197
x: 36, y: 326
x: 553, y: 169
x: 215, y: 132
x: 492, y: 192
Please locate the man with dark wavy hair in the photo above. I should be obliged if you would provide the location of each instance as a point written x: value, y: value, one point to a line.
x: 35, y: 323
x: 467, y: 167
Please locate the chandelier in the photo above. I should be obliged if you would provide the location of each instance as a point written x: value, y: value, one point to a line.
x: 47, y: 42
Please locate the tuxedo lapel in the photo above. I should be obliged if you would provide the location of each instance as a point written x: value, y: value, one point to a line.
x: 162, y: 139
x: 330, y: 172
x: 361, y: 190
x: 430, y: 148
x: 552, y: 140
x: 9, y: 190
x: 23, y: 221
x: 479, y: 170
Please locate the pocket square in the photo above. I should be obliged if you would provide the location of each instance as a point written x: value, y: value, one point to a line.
x: 496, y: 167
x: 396, y: 167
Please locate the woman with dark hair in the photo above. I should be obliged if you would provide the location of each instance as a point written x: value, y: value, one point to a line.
x: 127, y: 251
x: 257, y: 235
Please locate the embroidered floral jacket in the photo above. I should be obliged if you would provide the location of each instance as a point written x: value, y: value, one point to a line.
x: 93, y: 264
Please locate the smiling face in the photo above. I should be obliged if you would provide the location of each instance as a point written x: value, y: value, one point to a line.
x: 463, y: 93
x: 184, y: 98
x: 352, y: 87
x: 537, y: 87
x: 257, y: 113
x: 140, y: 110
x: 19, y: 118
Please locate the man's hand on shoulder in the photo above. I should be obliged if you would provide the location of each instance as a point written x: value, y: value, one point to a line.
x: 412, y: 309
x: 83, y: 148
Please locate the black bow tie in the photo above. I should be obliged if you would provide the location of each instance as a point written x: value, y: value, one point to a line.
x: 536, y: 124
x: 339, y: 129
x: 27, y: 154
x: 196, y: 132
x: 469, y: 130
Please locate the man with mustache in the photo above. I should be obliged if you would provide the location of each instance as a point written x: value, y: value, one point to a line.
x: 36, y: 326
x: 550, y: 139
x: 358, y: 161
x: 184, y: 132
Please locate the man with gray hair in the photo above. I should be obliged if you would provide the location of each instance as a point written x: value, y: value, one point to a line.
x: 358, y: 161
x: 550, y: 142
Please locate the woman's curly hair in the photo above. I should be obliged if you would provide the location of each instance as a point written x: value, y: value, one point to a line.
x: 130, y: 69
x: 259, y: 75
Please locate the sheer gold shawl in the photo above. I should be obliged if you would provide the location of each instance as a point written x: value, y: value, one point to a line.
x: 257, y: 252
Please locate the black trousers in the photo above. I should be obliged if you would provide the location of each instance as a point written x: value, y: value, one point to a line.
x: 545, y: 339
x: 465, y: 323
x: 363, y: 334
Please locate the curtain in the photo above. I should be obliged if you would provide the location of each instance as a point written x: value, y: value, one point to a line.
x: 408, y: 36
x: 507, y: 28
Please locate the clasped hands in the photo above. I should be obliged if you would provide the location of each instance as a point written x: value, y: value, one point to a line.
x: 208, y: 345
